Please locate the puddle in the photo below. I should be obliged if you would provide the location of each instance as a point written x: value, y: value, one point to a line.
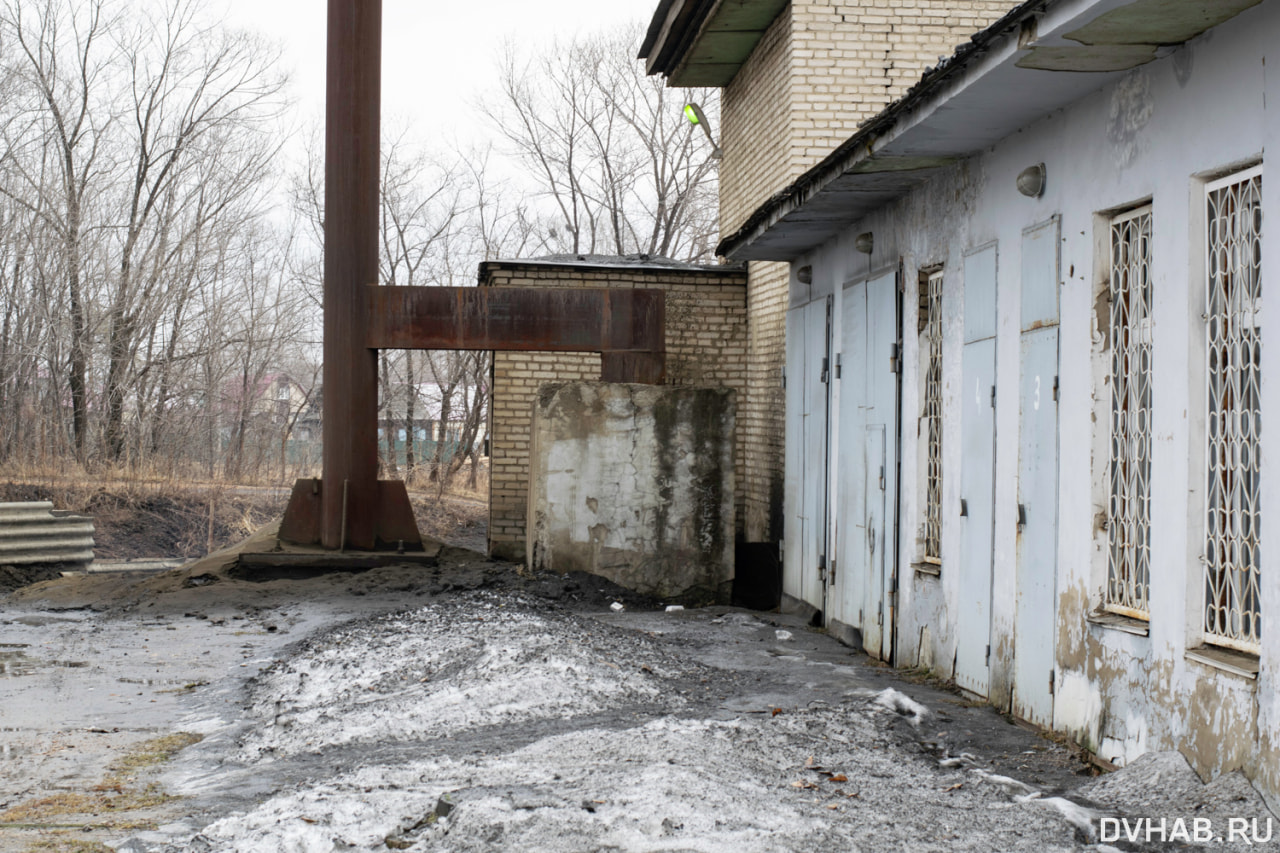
x: 15, y: 662
x: 151, y: 682
x: 42, y: 621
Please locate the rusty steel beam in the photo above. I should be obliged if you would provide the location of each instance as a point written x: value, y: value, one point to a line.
x: 627, y: 327
x: 349, y: 503
x: 348, y: 507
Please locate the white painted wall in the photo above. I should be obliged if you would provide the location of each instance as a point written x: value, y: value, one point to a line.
x: 1154, y: 135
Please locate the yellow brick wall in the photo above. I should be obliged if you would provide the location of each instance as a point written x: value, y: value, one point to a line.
x: 706, y: 345
x: 756, y: 137
x: 852, y: 58
x: 822, y: 69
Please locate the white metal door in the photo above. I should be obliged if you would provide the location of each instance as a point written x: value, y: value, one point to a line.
x: 1037, y: 547
x: 875, y: 538
x: 867, y: 486
x: 804, y: 533
x: 977, y: 472
x: 793, y: 441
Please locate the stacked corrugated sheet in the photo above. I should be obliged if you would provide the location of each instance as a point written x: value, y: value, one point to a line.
x: 33, y: 532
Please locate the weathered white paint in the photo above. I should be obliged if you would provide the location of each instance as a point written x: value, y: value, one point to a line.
x: 865, y: 454
x: 805, y: 519
x: 1156, y: 133
x: 634, y: 483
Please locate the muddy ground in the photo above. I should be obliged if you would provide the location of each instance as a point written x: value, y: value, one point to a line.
x: 470, y: 706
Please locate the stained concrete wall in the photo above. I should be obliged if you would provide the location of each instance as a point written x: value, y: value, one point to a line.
x: 706, y: 345
x: 634, y: 483
x: 1155, y: 135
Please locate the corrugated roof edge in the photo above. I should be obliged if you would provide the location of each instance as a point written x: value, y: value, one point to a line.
x: 853, y: 149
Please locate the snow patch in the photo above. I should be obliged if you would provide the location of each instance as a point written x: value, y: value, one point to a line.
x: 903, y: 704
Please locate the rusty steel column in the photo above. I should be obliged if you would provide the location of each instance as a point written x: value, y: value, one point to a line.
x: 349, y: 497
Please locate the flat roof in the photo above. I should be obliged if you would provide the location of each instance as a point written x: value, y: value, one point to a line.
x: 631, y: 263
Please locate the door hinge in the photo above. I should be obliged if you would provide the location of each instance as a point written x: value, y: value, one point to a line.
x: 1055, y: 389
x: 988, y: 654
x: 894, y: 361
x: 822, y: 567
x: 1051, y: 679
x: 882, y: 478
x: 1022, y: 516
x: 993, y: 396
x: 880, y: 615
x: 783, y: 374
x: 826, y: 370
x: 964, y: 507
x: 838, y: 366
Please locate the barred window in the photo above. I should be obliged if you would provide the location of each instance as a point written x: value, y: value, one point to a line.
x: 1129, y: 467
x: 1233, y: 321
x: 932, y: 346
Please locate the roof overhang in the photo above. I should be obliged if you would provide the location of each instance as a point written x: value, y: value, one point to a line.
x: 1042, y: 56
x: 705, y: 42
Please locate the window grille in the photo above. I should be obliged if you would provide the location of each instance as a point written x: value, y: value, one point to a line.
x: 1233, y: 321
x: 1129, y: 468
x: 933, y: 421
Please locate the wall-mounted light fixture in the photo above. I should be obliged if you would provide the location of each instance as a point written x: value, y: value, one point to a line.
x: 1031, y: 181
x: 804, y: 275
x: 864, y: 242
x: 694, y: 114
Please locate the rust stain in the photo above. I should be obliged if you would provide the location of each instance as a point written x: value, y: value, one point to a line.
x: 1073, y: 604
x: 1102, y: 317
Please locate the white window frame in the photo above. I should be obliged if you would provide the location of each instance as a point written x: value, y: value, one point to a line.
x: 1128, y: 489
x: 1231, y: 610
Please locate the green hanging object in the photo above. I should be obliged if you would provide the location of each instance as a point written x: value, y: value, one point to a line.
x: 694, y: 114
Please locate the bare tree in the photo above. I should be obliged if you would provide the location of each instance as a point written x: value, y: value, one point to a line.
x: 62, y: 54
x: 135, y: 146
x: 621, y: 169
x: 202, y: 98
x: 422, y: 202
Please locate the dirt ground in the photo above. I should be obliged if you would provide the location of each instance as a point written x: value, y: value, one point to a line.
x: 470, y: 706
x: 138, y: 520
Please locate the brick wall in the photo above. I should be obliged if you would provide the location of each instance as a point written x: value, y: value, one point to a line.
x: 706, y: 345
x: 822, y: 69
x: 756, y: 136
x: 851, y: 58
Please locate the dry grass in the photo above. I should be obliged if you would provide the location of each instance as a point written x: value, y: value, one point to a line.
x: 155, y: 751
x: 100, y: 801
x: 60, y: 844
x: 116, y: 794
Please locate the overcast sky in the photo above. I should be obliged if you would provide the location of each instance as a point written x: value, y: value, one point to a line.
x: 438, y: 55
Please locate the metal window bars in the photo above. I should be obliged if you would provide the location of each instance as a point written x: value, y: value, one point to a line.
x: 1129, y: 465
x: 1233, y: 333
x: 933, y: 421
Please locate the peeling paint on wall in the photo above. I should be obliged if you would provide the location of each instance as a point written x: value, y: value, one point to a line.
x: 1127, y: 686
x: 635, y: 483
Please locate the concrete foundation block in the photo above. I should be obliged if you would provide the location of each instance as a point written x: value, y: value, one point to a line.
x: 634, y: 483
